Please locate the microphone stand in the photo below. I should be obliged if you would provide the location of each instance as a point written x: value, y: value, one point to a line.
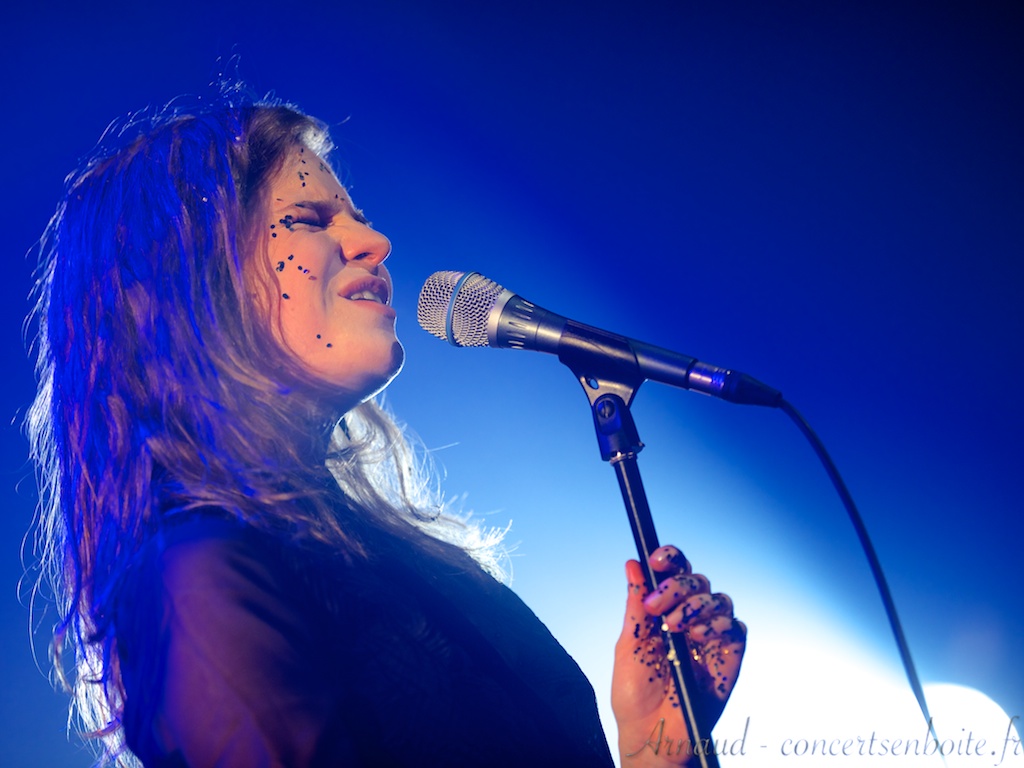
x: 610, y: 382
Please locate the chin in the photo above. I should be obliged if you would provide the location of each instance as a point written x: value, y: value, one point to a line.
x: 371, y: 381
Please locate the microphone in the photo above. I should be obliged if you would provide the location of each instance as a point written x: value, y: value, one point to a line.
x: 468, y: 310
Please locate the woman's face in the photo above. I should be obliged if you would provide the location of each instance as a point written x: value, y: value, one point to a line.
x: 333, y: 290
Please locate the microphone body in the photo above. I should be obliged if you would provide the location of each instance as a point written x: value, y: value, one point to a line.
x: 468, y: 310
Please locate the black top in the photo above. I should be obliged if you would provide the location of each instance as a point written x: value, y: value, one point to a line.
x: 238, y: 649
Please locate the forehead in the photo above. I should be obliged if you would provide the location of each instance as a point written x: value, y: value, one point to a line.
x: 303, y: 175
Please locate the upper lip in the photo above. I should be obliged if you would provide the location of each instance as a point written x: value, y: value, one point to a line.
x: 375, y: 285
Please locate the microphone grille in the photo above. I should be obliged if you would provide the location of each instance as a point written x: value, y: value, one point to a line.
x: 455, y: 306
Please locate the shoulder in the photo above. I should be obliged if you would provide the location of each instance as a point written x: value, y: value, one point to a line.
x: 210, y: 582
x: 220, y: 582
x: 218, y: 639
x: 214, y: 553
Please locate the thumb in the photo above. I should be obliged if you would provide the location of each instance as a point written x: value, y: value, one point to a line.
x: 634, y: 625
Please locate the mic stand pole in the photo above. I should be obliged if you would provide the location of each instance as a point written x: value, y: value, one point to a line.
x: 620, y: 443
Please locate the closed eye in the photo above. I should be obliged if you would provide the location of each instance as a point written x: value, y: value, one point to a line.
x: 313, y: 216
x: 309, y: 220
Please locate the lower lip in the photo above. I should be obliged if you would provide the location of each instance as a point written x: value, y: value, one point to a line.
x: 385, y: 309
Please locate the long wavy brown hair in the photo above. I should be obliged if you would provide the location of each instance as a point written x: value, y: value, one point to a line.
x: 162, y: 388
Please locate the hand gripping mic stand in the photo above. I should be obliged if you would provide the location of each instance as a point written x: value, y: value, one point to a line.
x: 608, y: 370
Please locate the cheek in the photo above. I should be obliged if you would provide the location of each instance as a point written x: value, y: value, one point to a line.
x: 296, y: 275
x: 299, y: 278
x: 303, y: 325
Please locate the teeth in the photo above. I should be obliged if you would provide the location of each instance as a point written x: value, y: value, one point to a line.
x: 365, y: 296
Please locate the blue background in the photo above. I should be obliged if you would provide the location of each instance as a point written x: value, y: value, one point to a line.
x: 826, y: 195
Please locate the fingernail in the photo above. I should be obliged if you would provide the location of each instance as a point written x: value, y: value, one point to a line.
x: 649, y: 599
x: 668, y: 555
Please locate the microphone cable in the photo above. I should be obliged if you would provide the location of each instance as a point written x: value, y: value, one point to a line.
x: 869, y: 552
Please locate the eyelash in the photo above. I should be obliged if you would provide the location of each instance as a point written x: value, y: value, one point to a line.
x: 319, y: 223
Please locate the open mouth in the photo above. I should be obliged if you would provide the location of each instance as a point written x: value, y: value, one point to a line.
x: 370, y: 289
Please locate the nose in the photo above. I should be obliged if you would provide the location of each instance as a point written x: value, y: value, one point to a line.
x: 363, y: 246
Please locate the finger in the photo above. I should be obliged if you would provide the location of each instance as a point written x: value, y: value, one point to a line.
x: 673, y: 590
x: 636, y: 620
x: 697, y: 609
x: 713, y: 629
x: 669, y: 559
x: 635, y: 581
x: 641, y: 672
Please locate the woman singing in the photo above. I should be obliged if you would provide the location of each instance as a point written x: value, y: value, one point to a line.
x: 248, y: 568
